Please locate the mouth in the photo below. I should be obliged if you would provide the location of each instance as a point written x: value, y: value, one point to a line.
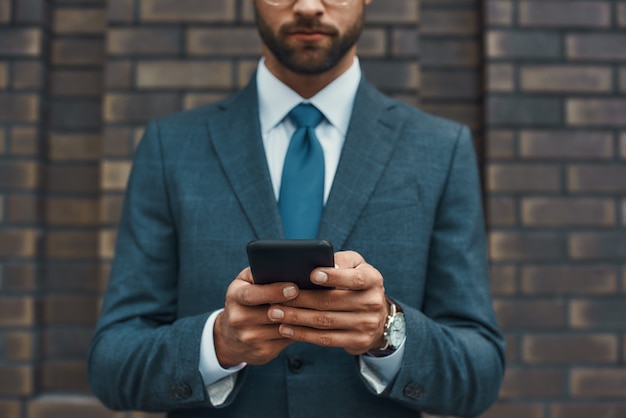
x: 309, y: 35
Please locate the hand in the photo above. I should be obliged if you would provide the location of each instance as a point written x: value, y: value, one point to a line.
x: 242, y: 332
x: 351, y: 316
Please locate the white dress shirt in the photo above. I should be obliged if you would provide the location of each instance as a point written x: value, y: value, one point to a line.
x: 276, y: 100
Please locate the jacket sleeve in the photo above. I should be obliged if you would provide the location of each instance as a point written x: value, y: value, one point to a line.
x: 142, y: 356
x: 454, y: 358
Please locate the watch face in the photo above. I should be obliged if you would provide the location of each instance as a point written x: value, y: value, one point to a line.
x: 397, y: 331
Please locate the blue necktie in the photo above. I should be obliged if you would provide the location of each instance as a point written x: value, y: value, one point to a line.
x: 301, y: 198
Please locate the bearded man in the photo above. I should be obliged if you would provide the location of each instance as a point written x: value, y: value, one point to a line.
x: 405, y: 323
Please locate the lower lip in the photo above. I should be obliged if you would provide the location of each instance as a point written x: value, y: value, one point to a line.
x: 309, y: 37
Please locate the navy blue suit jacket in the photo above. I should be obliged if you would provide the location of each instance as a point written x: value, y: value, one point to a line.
x: 406, y: 196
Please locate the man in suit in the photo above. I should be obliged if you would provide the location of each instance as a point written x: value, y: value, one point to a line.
x: 406, y: 324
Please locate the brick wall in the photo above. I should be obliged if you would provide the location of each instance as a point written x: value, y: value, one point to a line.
x: 541, y: 83
x: 555, y: 117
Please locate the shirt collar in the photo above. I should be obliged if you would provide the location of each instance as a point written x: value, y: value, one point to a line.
x: 335, y: 101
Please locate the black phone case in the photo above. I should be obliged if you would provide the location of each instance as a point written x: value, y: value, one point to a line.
x: 288, y: 260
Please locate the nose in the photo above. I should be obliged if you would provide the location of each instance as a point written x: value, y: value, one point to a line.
x: 309, y: 7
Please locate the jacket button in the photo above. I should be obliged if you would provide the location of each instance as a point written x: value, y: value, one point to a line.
x: 413, y: 391
x: 181, y: 392
x: 296, y: 364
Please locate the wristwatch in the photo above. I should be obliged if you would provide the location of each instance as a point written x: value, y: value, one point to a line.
x: 394, y: 332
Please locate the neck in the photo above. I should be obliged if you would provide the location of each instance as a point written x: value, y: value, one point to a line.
x: 307, y: 85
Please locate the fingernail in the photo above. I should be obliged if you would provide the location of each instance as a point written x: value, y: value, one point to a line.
x: 286, y: 331
x: 277, y: 313
x: 289, y: 291
x: 320, y: 277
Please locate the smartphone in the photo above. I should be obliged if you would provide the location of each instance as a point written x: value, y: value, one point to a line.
x: 289, y: 260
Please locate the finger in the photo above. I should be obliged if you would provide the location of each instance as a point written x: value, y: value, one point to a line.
x: 321, y: 320
x: 362, y: 276
x: 348, y: 259
x: 247, y: 294
x: 354, y: 343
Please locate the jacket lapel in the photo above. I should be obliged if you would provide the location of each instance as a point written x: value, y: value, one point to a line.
x: 235, y: 132
x: 370, y: 140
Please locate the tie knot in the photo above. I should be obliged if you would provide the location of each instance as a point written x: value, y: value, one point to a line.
x: 305, y: 116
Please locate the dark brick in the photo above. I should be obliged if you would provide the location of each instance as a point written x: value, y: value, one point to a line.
x: 523, y: 45
x: 71, y: 245
x: 566, y: 79
x: 10, y: 409
x: 503, y: 280
x: 72, y: 179
x: 560, y: 144
x: 70, y: 406
x: 19, y: 277
x: 23, y: 209
x: 64, y: 376
x: 598, y: 245
x: 28, y: 75
x: 535, y: 314
x: 524, y: 111
x: 525, y: 384
x: 458, y: 53
x: 405, y: 42
x: 16, y: 311
x: 30, y: 11
x: 393, y: 11
x: 77, y: 52
x: 523, y: 178
x: 16, y: 381
x: 449, y: 22
x: 569, y: 280
x: 598, y: 178
x: 120, y: 11
x: 581, y: 349
x: 18, y: 243
x: 596, y: 46
x: 501, y: 212
x: 598, y: 383
x: 19, y: 108
x: 20, y: 42
x: 180, y: 11
x: 79, y: 83
x: 72, y: 211
x: 5, y: 11
x: 577, y: 14
x: 586, y: 410
x: 223, y: 41
x: 602, y: 314
x: 500, y: 77
x: 74, y: 147
x: 501, y: 144
x: 18, y: 347
x: 514, y: 410
x: 138, y: 108
x: 447, y: 84
x: 77, y: 114
x: 143, y: 41
x: 183, y: 74
x: 596, y: 112
x: 79, y: 20
x: 499, y: 12
x: 70, y: 277
x: 568, y: 212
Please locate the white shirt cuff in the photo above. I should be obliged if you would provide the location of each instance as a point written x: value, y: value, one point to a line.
x: 219, y: 382
x: 380, y: 371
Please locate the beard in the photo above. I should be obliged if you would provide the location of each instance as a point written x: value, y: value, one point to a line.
x: 308, y: 58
